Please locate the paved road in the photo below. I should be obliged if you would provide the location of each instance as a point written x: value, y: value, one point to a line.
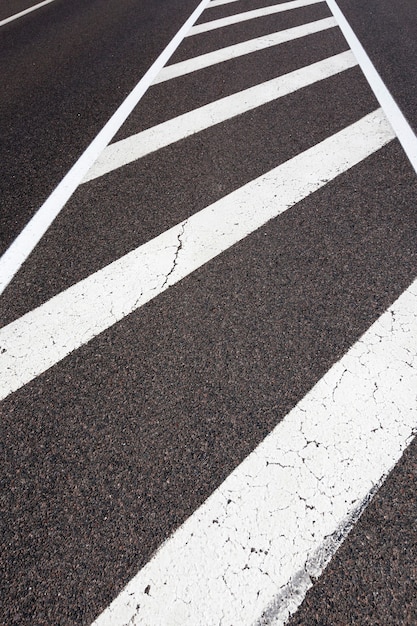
x: 388, y: 33
x: 114, y: 434
x: 65, y: 69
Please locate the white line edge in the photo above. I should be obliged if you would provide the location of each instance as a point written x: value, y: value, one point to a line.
x: 16, y: 16
x: 402, y: 129
x: 25, y: 242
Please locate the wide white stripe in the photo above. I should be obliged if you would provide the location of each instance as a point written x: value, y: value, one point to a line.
x: 21, y: 248
x: 403, y: 130
x: 16, y: 16
x: 249, y: 15
x: 137, y: 146
x: 86, y: 309
x: 240, y: 49
x: 246, y: 556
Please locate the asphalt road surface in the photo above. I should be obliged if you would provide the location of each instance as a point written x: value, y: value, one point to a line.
x: 209, y: 362
x: 65, y: 69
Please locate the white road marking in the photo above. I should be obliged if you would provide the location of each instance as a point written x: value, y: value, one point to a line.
x: 16, y: 16
x: 403, y: 130
x: 217, y: 3
x: 240, y: 49
x: 250, y: 15
x: 18, y: 252
x: 44, y: 336
x: 247, y: 554
x: 137, y: 146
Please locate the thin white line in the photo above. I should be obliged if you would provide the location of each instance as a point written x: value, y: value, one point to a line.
x: 217, y: 3
x: 249, y: 15
x: 137, y: 146
x: 18, y: 252
x: 403, y: 130
x: 247, y: 556
x: 75, y: 316
x: 25, y: 12
x: 240, y: 49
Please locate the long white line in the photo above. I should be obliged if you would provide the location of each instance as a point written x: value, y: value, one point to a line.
x: 240, y: 49
x: 252, y: 549
x: 217, y: 3
x: 16, y: 16
x: 249, y: 15
x: 247, y: 555
x: 403, y: 130
x: 137, y: 146
x: 18, y: 252
x: 75, y: 316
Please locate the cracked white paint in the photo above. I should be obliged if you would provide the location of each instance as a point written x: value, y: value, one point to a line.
x: 245, y: 47
x: 44, y: 336
x: 248, y: 554
x: 136, y: 146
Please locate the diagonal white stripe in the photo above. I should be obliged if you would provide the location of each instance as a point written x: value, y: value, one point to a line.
x: 249, y: 15
x: 26, y: 241
x: 240, y: 49
x: 75, y: 316
x: 248, y: 554
x: 16, y: 16
x: 137, y: 146
x: 217, y: 3
x: 402, y: 128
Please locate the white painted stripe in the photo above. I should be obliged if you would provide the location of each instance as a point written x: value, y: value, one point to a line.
x: 217, y: 3
x: 402, y: 129
x: 75, y: 316
x: 137, y: 146
x: 18, y: 252
x: 16, y: 16
x: 240, y: 49
x: 249, y: 15
x: 246, y: 555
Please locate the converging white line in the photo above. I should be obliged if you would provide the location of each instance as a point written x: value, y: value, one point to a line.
x: 137, y: 146
x: 16, y: 16
x: 18, y: 252
x: 403, y: 130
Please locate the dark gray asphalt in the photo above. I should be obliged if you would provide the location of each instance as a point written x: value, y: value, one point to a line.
x: 108, y: 452
x: 388, y: 32
x: 64, y: 70
x: 8, y: 8
x: 108, y: 217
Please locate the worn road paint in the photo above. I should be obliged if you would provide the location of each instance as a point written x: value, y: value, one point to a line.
x: 241, y: 49
x: 249, y: 15
x: 21, y: 248
x: 402, y: 129
x: 137, y: 146
x: 247, y: 555
x: 16, y: 16
x: 44, y: 336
